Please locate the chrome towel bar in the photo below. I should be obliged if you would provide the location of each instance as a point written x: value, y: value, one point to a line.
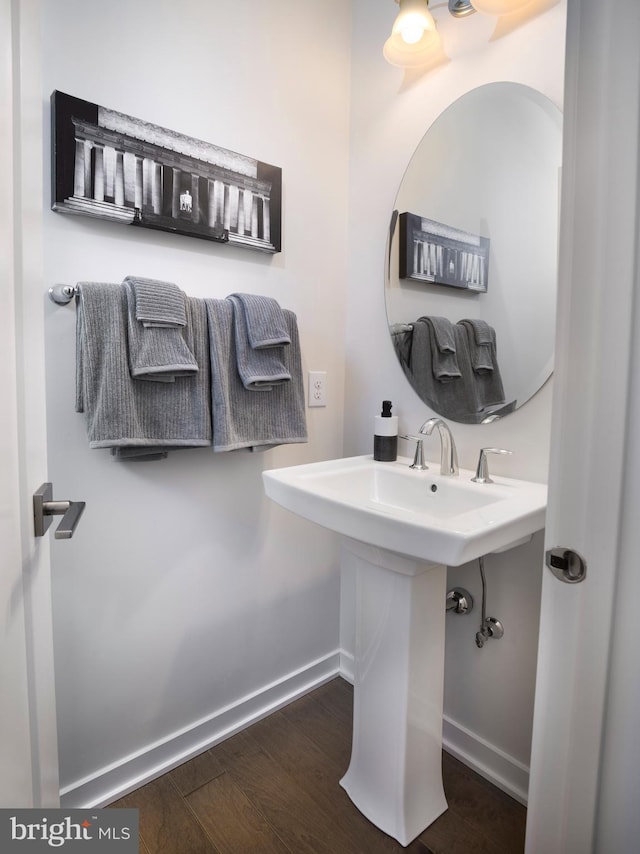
x: 63, y: 294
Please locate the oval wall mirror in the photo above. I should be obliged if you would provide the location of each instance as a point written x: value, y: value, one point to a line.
x: 471, y: 274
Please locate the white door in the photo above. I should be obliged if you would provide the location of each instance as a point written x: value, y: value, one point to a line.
x: 28, y: 747
x: 585, y: 769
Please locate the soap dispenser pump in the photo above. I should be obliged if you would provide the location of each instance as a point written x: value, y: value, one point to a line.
x: 385, y: 435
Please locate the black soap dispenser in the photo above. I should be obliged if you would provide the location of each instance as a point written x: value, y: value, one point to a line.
x: 385, y: 435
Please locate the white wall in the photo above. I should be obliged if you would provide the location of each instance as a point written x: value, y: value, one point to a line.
x: 488, y: 692
x: 186, y: 602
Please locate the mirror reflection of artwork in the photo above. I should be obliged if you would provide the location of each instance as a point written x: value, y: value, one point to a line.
x: 488, y: 166
x: 433, y: 252
x: 116, y: 167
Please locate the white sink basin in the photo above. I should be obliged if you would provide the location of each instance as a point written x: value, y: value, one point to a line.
x: 422, y: 514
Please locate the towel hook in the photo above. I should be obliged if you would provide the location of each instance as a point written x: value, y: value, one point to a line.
x: 63, y: 294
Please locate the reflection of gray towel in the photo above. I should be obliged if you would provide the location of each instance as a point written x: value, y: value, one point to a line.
x: 259, y: 369
x: 241, y: 418
x: 444, y: 362
x: 401, y: 335
x: 482, y: 331
x: 482, y: 345
x: 120, y: 411
x: 463, y: 399
x: 483, y: 359
x: 159, y: 354
x: 158, y: 303
x: 455, y: 399
x: 264, y: 319
x: 442, y: 333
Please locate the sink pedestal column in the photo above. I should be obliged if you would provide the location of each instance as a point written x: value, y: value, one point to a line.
x: 395, y: 773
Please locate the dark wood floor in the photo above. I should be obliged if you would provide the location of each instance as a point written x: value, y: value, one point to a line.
x: 274, y: 788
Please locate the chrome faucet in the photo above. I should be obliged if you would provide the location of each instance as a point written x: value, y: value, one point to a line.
x: 448, y: 453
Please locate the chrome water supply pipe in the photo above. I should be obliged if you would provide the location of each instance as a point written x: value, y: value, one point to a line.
x: 489, y: 626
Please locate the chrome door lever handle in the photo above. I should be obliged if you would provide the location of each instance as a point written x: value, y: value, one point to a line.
x: 44, y: 508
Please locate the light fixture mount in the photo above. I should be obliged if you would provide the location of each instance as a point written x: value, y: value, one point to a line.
x: 461, y: 8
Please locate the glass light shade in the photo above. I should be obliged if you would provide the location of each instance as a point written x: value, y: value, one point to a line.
x: 414, y: 37
x: 397, y: 52
x: 499, y: 7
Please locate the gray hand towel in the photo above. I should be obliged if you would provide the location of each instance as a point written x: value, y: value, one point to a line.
x: 482, y: 345
x: 157, y: 354
x: 444, y: 361
x: 138, y: 455
x: 264, y: 319
x: 241, y: 418
x: 120, y: 411
x: 482, y: 331
x: 259, y: 369
x: 484, y: 365
x: 442, y: 333
x: 158, y: 303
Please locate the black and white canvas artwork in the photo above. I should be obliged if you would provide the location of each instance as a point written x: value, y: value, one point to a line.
x: 431, y: 251
x: 113, y: 166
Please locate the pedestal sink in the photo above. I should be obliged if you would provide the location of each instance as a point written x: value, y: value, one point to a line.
x: 401, y: 528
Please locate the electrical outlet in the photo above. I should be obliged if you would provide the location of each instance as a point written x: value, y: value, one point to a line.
x: 317, y: 388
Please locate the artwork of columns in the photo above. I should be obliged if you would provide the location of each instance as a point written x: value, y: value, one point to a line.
x: 113, y: 166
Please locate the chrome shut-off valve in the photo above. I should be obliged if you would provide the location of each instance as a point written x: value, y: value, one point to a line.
x: 491, y: 628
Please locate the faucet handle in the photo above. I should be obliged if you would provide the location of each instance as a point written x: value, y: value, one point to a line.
x: 482, y: 472
x: 418, y: 459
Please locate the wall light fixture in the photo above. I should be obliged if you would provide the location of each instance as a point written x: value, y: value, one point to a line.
x: 414, y: 38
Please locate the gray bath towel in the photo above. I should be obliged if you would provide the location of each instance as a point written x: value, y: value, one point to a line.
x: 444, y: 361
x: 241, y: 418
x: 158, y: 354
x: 122, y: 412
x: 401, y: 335
x: 260, y: 369
x: 158, y: 303
x: 482, y: 345
x: 265, y: 321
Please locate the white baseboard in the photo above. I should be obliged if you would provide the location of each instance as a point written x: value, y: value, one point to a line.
x: 492, y: 763
x: 116, y: 780
x: 347, y: 665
